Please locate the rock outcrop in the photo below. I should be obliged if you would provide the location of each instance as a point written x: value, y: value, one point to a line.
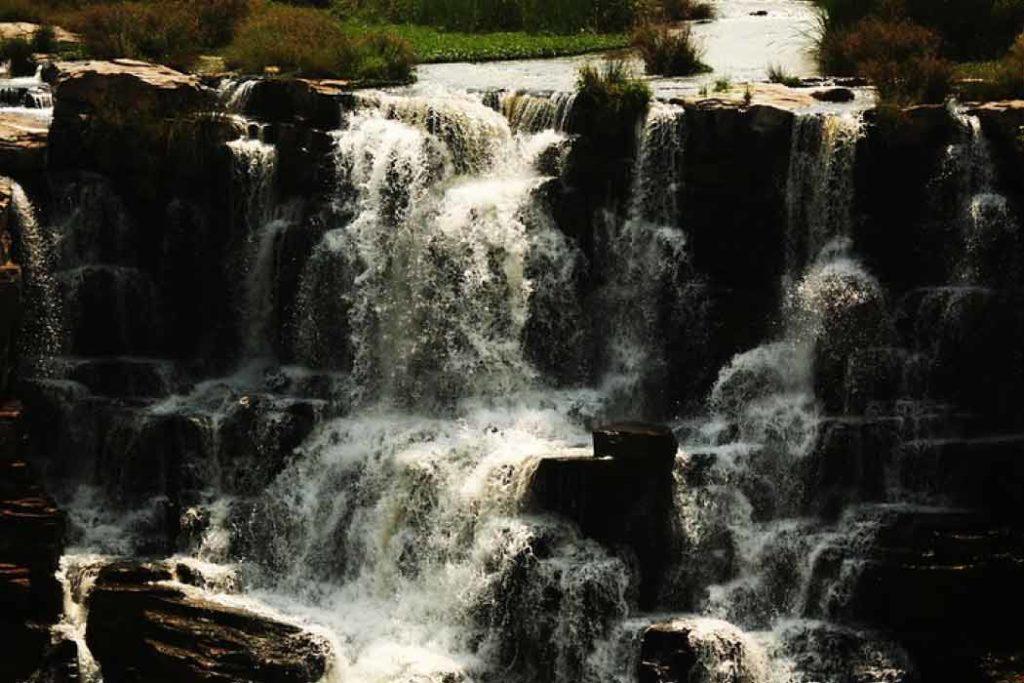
x: 143, y: 629
x: 620, y: 495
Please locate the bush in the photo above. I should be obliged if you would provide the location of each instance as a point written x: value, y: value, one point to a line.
x: 970, y: 29
x: 163, y: 32
x: 668, y: 52
x: 899, y: 57
x: 218, y: 19
x: 18, y: 52
x: 997, y: 80
x: 384, y: 57
x: 45, y: 39
x: 20, y: 10
x: 309, y: 42
x: 612, y: 88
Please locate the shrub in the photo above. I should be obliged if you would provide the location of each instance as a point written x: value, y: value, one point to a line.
x: 668, y: 52
x: 997, y: 80
x: 164, y: 32
x: 18, y: 52
x: 309, y: 42
x: 901, y: 59
x: 612, y: 88
x: 45, y: 39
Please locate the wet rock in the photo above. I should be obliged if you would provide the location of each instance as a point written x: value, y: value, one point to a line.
x: 834, y: 95
x: 60, y: 664
x: 258, y: 435
x: 897, y: 237
x: 697, y: 649
x: 825, y: 652
x: 140, y: 629
x: 734, y: 216
x: 622, y: 497
x: 127, y: 377
x: 849, y: 462
x: 636, y: 442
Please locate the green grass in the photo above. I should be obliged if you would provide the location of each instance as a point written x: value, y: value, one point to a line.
x: 432, y: 45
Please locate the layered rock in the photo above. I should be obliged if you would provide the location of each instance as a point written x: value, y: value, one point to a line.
x: 142, y: 628
x: 23, y: 143
x: 31, y: 542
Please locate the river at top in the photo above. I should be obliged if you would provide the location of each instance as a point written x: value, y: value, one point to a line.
x: 740, y: 44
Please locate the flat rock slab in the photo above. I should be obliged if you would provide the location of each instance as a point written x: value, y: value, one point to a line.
x: 142, y: 628
x: 23, y: 140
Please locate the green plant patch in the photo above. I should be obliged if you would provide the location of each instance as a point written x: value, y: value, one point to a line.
x: 431, y: 45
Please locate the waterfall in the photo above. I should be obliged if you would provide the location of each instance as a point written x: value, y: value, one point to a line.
x: 41, y: 336
x: 764, y: 408
x: 423, y: 292
x: 986, y: 224
x: 650, y: 290
x: 535, y: 113
x: 255, y: 171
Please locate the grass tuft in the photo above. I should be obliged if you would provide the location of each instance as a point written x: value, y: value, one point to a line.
x: 669, y: 52
x: 777, y: 74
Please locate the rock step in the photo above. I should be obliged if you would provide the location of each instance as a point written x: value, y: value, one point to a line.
x: 986, y: 473
x: 142, y: 629
x: 126, y: 377
x: 944, y: 583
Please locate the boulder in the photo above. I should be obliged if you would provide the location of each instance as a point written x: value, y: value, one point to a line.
x: 826, y: 652
x: 142, y: 627
x: 698, y: 649
x: 89, y: 87
x: 622, y: 496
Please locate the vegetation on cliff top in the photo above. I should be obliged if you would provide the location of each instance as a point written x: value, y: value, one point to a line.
x: 908, y: 48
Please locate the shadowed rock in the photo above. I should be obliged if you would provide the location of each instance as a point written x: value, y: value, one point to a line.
x: 698, y: 649
x: 622, y: 496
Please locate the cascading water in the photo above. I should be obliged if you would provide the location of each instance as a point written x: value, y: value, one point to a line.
x: 255, y: 168
x: 651, y: 291
x: 395, y: 510
x: 41, y: 336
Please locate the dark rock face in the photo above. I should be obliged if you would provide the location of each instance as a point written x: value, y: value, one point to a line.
x: 942, y: 583
x: 622, y: 496
x: 141, y: 630
x: 31, y: 542
x: 834, y: 95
